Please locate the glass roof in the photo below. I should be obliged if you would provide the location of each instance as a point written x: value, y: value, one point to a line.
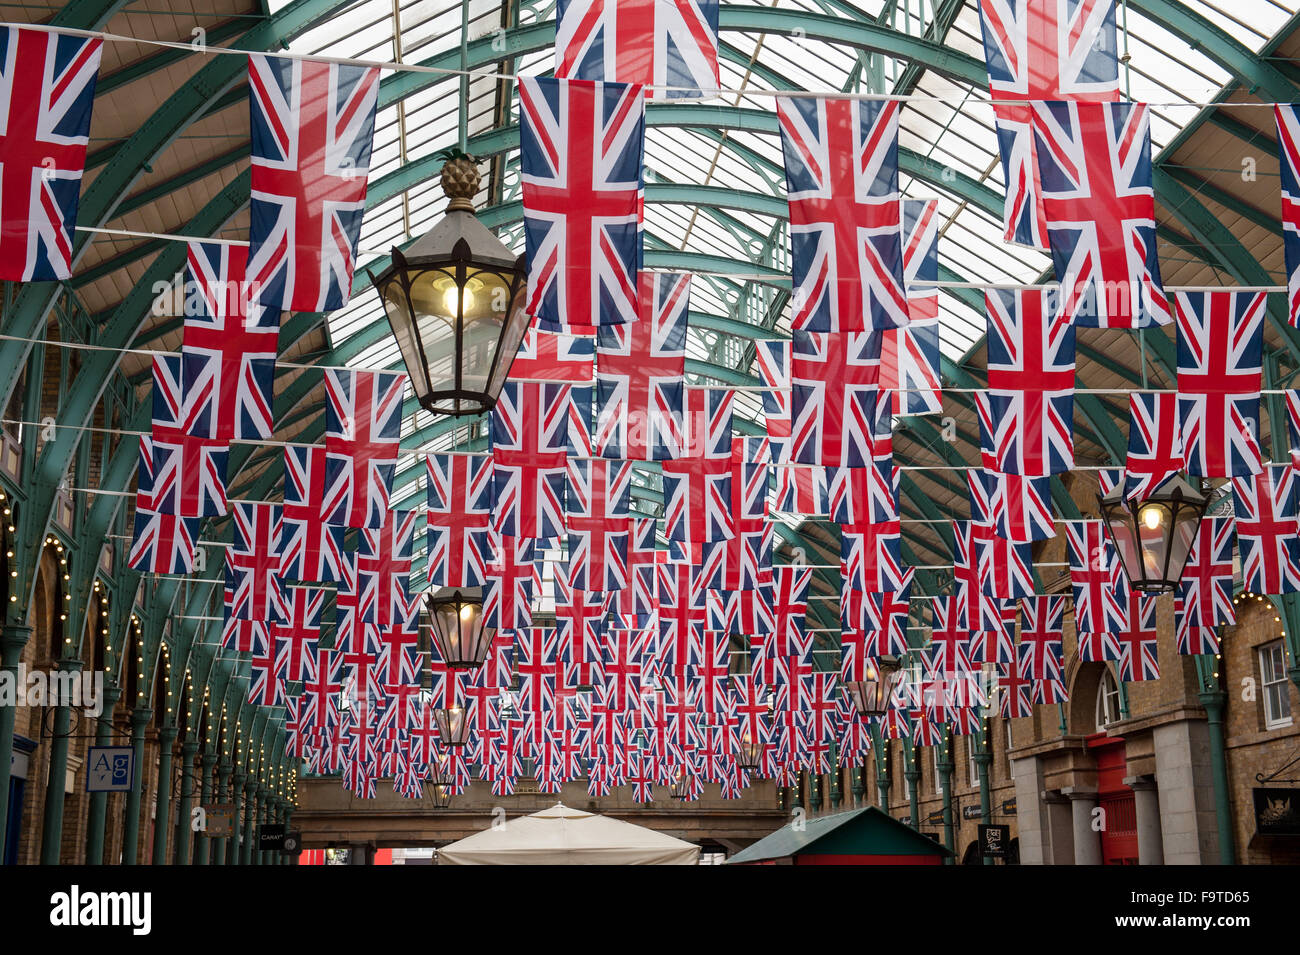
x: 944, y: 121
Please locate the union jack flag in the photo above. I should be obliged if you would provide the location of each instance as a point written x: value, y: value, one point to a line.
x: 949, y: 647
x: 978, y: 610
x: 790, y: 606
x: 707, y: 424
x: 554, y: 356
x: 1193, y: 638
x: 1013, y: 694
x: 635, y: 603
x: 296, y: 638
x: 310, y: 549
x: 1099, y: 587
x: 1041, y: 50
x: 697, y: 483
x: 363, y: 425
x: 772, y: 357
x: 1137, y: 642
x: 746, y: 611
x: 265, y: 688
x: 536, y: 659
x: 871, y: 557
x: 1094, y: 162
x: 163, y: 543
x: 246, y: 636
x: 47, y: 91
x: 1020, y: 506
x: 1268, y: 533
x: 383, y: 568
x: 459, y: 516
x: 1205, y: 589
x: 834, y: 387
x: 697, y: 502
x: 508, y: 595
x: 622, y: 653
x: 683, y: 613
x: 668, y: 44
x: 1292, y: 397
x: 998, y: 644
x: 802, y: 490
x: 1005, y: 568
x: 640, y: 369
x: 598, y: 512
x: 253, y: 587
x: 909, y: 355
x: 1220, y: 368
x: 187, y: 468
x: 1042, y: 626
x: 846, y: 249
x: 1288, y: 145
x: 864, y: 496
x: 313, y: 124
x: 1031, y: 382
x: 230, y: 344
x: 884, y: 618
x: 529, y: 437
x: 1155, y: 447
x: 581, y: 145
x: 579, y: 617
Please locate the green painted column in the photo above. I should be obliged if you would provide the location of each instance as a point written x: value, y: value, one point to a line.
x: 882, y: 776
x: 224, y: 769
x: 913, y: 776
x: 140, y: 717
x: 857, y: 785
x: 237, y: 800
x: 97, y: 815
x: 203, y: 845
x: 163, y: 800
x: 56, y: 783
x: 260, y: 854
x: 282, y: 817
x: 1214, y: 701
x: 12, y: 640
x: 836, y: 794
x: 184, y: 831
x: 983, y: 761
x: 945, y: 767
x: 250, y: 816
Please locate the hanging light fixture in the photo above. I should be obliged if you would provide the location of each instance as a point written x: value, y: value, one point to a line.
x: 1154, y: 534
x: 683, y: 783
x: 749, y: 750
x: 871, y: 695
x: 453, y: 724
x: 455, y: 301
x: 440, y: 781
x: 459, y: 630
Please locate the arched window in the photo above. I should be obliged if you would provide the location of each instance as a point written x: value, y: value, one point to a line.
x: 1107, y: 700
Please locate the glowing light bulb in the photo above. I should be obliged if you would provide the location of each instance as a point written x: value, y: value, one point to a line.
x: 453, y: 295
x: 1151, y: 517
x: 467, y: 612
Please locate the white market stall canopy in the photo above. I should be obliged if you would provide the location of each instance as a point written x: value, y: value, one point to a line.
x: 564, y: 836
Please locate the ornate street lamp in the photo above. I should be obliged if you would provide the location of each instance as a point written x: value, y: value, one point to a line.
x: 453, y: 725
x: 1154, y: 534
x: 458, y: 628
x: 683, y: 784
x: 440, y: 781
x: 455, y: 301
x: 871, y: 695
x: 749, y: 751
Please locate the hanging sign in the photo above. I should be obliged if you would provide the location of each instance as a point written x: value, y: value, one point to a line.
x: 993, y: 841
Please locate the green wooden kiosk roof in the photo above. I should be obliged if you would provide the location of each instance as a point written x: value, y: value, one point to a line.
x: 866, y: 831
